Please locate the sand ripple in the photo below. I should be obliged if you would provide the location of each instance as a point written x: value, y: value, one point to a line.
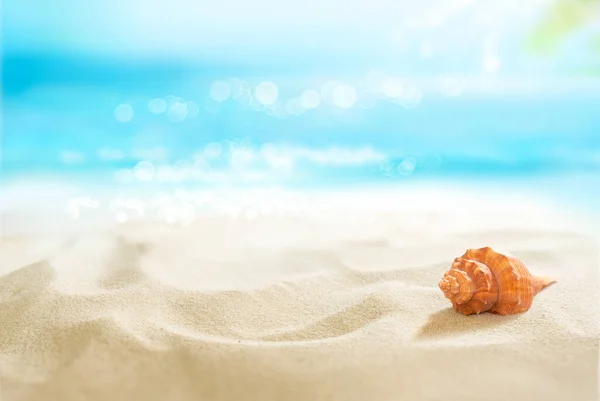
x: 120, y: 315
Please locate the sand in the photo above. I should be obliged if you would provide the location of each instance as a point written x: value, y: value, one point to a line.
x: 320, y: 306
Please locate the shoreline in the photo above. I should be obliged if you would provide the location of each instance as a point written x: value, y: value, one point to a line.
x: 81, y: 206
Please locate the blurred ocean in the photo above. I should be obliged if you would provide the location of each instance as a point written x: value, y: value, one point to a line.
x: 440, y: 104
x: 60, y: 117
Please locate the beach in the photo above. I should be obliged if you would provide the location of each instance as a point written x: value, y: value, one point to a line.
x: 238, y: 201
x: 329, y: 303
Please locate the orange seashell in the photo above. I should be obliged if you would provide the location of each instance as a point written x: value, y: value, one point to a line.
x: 483, y: 280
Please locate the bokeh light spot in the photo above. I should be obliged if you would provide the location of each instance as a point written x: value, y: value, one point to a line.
x: 220, y: 91
x: 266, y: 93
x: 123, y: 113
x: 144, y: 171
x: 392, y: 87
x: 344, y: 96
x: 177, y: 112
x: 491, y: 63
x: 243, y: 93
x: 236, y: 86
x: 157, y: 106
x: 407, y: 166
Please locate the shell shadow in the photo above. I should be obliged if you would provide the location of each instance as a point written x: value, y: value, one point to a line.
x: 448, y: 323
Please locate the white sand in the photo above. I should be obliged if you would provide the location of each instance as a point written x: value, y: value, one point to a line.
x: 340, y: 306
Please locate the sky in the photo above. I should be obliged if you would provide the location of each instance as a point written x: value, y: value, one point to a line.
x: 84, y: 41
x: 234, y: 29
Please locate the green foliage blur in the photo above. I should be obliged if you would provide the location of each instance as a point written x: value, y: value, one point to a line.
x: 564, y: 18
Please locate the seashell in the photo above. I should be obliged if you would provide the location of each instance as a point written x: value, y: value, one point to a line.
x: 483, y: 280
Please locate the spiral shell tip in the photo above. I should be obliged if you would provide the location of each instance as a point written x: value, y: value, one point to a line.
x: 541, y: 282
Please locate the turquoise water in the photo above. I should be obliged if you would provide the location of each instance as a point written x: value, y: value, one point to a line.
x: 61, y: 118
x: 301, y: 95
